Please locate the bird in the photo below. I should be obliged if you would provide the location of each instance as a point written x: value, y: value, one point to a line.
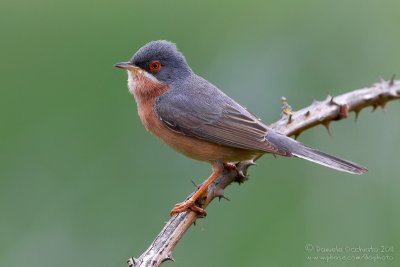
x: 196, y: 118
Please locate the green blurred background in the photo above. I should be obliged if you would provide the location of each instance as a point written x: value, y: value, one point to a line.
x: 83, y: 184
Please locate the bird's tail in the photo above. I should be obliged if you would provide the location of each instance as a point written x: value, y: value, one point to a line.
x: 300, y: 150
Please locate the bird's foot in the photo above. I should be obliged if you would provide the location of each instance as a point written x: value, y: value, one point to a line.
x: 231, y: 166
x: 189, y: 204
x: 199, y: 195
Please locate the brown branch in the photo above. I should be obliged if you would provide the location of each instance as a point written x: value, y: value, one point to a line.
x: 291, y: 123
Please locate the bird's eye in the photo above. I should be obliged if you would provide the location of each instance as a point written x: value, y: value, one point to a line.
x: 155, y: 65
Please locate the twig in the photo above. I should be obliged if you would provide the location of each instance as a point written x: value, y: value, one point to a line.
x: 291, y: 123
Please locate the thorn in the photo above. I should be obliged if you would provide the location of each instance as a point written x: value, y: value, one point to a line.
x: 274, y: 155
x: 331, y: 101
x: 131, y: 262
x: 374, y: 107
x: 289, y: 119
x: 242, y: 169
x: 195, y: 185
x: 327, y: 124
x: 382, y: 80
x: 246, y: 164
x: 168, y: 258
x: 357, y: 112
x: 219, y: 193
x: 241, y: 175
x: 391, y: 82
x: 308, y: 113
x: 252, y: 162
x: 224, y: 197
x: 296, y: 136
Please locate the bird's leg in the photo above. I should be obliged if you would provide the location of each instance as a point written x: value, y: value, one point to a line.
x: 190, y: 204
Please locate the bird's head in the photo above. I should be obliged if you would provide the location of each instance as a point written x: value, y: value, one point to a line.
x: 157, y: 62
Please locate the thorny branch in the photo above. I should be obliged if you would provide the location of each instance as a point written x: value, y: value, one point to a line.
x: 291, y: 123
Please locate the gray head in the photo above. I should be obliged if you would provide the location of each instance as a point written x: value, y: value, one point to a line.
x: 162, y: 60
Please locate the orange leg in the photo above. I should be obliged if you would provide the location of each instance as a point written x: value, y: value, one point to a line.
x: 190, y: 203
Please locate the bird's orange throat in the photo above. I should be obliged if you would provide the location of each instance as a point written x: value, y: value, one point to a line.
x: 144, y: 87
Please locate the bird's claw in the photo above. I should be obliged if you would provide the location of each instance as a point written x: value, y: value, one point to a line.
x: 231, y: 166
x: 188, y: 205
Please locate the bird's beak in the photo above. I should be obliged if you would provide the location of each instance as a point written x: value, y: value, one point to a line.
x: 126, y: 65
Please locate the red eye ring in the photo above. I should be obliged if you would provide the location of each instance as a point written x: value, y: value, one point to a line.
x: 155, y: 65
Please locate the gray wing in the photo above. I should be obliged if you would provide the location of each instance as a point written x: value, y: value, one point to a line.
x: 209, y: 114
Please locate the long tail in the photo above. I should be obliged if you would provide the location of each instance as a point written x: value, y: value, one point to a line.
x: 300, y: 150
